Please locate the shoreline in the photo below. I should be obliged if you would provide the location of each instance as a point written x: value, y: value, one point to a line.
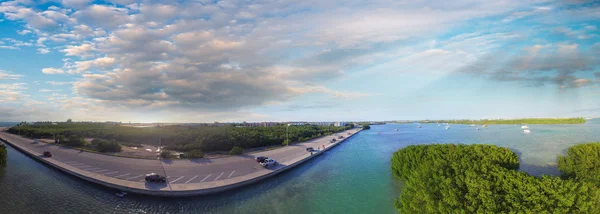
x: 176, y: 190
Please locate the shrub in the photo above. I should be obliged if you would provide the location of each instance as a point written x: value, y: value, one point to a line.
x: 482, y: 179
x: 365, y: 127
x: 106, y: 146
x: 166, y: 154
x: 285, y: 142
x: 236, y: 150
x: 3, y: 154
x: 74, y: 141
x: 194, y: 154
x: 582, y: 162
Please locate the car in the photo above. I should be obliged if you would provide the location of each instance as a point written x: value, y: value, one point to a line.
x: 260, y: 159
x: 340, y: 137
x: 47, y: 154
x: 36, y: 141
x: 156, y: 178
x: 268, y: 162
x: 310, y: 149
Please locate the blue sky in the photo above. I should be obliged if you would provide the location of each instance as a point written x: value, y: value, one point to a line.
x: 205, y: 61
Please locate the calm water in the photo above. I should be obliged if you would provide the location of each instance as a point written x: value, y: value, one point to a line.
x: 351, y: 178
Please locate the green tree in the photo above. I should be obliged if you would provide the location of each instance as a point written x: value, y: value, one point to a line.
x: 582, y: 162
x: 166, y: 154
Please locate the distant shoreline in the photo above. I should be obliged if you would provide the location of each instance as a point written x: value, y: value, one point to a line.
x: 574, y: 120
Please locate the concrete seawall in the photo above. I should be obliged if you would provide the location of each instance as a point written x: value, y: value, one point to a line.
x: 173, y: 190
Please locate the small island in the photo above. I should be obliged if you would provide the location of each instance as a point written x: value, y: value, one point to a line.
x: 448, y: 178
x: 575, y: 120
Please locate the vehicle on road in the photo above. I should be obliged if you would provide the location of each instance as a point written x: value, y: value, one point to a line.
x: 340, y: 137
x: 260, y: 159
x: 268, y: 162
x: 156, y: 178
x: 310, y: 149
x: 47, y: 154
x: 36, y: 141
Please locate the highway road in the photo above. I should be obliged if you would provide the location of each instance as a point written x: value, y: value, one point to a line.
x: 177, y: 171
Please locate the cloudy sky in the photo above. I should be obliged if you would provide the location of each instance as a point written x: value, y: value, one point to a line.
x: 321, y: 60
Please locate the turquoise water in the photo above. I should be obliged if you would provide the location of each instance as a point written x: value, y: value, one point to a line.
x: 354, y: 177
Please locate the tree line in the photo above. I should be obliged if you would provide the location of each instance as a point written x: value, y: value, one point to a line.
x: 178, y: 137
x: 448, y: 178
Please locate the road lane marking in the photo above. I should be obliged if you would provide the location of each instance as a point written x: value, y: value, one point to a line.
x: 104, y: 170
x: 219, y: 176
x: 110, y: 173
x: 134, y: 177
x: 191, y: 179
x: 77, y: 164
x: 92, y: 169
x: 230, y: 174
x: 176, y: 180
x: 205, y: 178
x: 122, y: 175
x: 70, y: 162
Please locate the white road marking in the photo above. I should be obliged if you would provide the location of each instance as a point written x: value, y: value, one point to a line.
x: 176, y: 180
x: 219, y: 176
x: 85, y: 166
x: 205, y: 178
x: 99, y: 171
x: 110, y: 173
x: 230, y: 174
x: 134, y: 177
x: 92, y: 169
x: 70, y: 162
x: 122, y: 175
x: 191, y: 179
x: 77, y: 164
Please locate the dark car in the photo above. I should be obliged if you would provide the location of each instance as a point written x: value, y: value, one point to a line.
x: 260, y: 159
x: 340, y: 137
x: 153, y: 177
x: 47, y: 154
x: 310, y: 149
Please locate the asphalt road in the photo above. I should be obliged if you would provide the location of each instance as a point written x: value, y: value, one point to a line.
x: 177, y: 171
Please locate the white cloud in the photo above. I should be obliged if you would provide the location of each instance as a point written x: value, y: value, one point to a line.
x: 83, y: 50
x: 76, y: 3
x: 52, y: 71
x: 55, y: 83
x: 43, y: 50
x: 4, y: 75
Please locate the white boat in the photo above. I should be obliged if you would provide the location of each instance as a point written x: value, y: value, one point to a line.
x: 484, y: 125
x: 447, y: 127
x: 524, y: 127
x: 477, y: 129
x: 395, y: 129
x: 526, y: 131
x: 419, y: 126
x: 472, y: 125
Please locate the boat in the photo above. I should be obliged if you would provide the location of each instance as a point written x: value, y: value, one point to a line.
x: 472, y: 125
x: 377, y: 132
x: 395, y: 129
x: 477, y: 129
x: 524, y: 127
x: 121, y: 194
x: 484, y: 125
x: 447, y: 127
x: 419, y: 126
x: 526, y: 131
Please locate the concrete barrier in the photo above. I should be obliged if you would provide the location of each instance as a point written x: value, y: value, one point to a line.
x: 131, y: 187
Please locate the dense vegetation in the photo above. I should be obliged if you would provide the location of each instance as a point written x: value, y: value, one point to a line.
x: 365, y: 127
x: 482, y: 179
x: 582, y: 162
x: 105, y: 145
x: 178, y: 138
x: 3, y: 154
x: 577, y: 120
x: 194, y: 154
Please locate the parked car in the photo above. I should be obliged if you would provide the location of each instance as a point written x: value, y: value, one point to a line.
x: 36, y: 141
x: 47, y: 154
x: 340, y: 137
x: 260, y: 159
x: 268, y: 162
x: 310, y: 149
x: 153, y: 177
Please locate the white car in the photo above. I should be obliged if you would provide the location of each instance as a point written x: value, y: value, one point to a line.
x: 268, y: 162
x: 36, y: 141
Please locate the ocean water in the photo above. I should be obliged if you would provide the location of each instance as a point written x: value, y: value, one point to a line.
x: 354, y: 177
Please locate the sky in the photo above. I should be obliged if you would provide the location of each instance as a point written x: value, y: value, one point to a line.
x: 312, y: 60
